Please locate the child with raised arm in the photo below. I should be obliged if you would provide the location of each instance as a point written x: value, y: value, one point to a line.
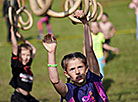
x: 22, y: 76
x: 86, y: 85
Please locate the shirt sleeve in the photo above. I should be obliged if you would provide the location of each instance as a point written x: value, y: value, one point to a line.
x: 14, y: 61
x: 69, y: 94
x: 69, y: 90
x: 93, y: 77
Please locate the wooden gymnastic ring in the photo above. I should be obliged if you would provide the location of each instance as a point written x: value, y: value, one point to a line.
x: 97, y: 16
x: 85, y: 10
x: 20, y: 2
x: 93, y: 13
x: 21, y: 19
x: 30, y: 20
x: 66, y: 12
x: 12, y: 18
x: 101, y: 11
x: 41, y: 3
x: 37, y: 10
x: 94, y: 18
x: 94, y: 8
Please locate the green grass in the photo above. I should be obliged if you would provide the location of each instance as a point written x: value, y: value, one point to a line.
x: 121, y: 78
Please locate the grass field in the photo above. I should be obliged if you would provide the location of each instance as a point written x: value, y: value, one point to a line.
x: 121, y: 71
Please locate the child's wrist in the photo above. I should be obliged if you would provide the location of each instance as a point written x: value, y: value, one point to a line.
x: 52, y: 65
x: 51, y: 53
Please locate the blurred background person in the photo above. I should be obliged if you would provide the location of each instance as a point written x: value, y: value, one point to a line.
x: 134, y: 4
x: 108, y: 30
x: 40, y: 26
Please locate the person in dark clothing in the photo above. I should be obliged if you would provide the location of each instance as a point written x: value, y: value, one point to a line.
x: 6, y: 5
x: 22, y: 76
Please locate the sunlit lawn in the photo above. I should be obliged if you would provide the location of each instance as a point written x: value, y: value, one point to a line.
x: 121, y: 78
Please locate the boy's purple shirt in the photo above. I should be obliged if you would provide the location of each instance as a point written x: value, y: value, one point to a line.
x: 92, y: 91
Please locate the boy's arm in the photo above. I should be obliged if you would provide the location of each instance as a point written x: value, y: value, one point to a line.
x: 112, y: 31
x: 108, y: 47
x: 60, y: 87
x: 19, y: 4
x: 14, y: 42
x: 91, y: 58
x: 27, y: 42
x: 34, y: 49
x: 88, y: 45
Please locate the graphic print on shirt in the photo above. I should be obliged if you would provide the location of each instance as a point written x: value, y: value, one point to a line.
x: 88, y: 98
x: 26, y: 78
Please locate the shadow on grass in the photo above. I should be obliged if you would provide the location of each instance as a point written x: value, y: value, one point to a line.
x: 42, y: 100
x: 111, y: 56
x: 120, y: 97
x: 29, y: 38
x: 107, y: 83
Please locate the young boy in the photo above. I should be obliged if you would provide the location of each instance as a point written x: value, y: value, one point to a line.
x: 22, y: 79
x: 134, y: 4
x: 108, y: 30
x: 99, y: 44
x: 86, y: 83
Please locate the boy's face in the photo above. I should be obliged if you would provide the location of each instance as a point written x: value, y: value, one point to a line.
x: 76, y: 70
x: 25, y: 55
x: 94, y: 27
x: 104, y: 18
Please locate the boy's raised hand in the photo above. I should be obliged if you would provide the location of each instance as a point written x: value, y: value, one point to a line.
x: 115, y: 50
x: 49, y: 42
x: 78, y: 13
x: 81, y: 16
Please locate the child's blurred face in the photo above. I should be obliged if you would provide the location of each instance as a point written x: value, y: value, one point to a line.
x: 25, y: 55
x: 76, y: 70
x: 94, y: 27
x: 104, y: 18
